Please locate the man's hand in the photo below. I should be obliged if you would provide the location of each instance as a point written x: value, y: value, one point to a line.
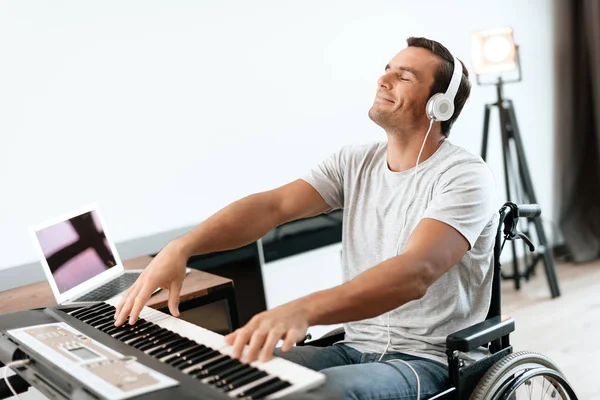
x: 165, y: 271
x: 288, y: 322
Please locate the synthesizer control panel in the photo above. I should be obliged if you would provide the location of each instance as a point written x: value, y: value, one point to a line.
x: 113, y: 375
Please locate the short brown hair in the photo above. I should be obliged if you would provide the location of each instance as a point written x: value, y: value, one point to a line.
x: 443, y: 76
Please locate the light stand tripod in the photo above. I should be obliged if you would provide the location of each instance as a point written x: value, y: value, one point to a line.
x: 522, y: 179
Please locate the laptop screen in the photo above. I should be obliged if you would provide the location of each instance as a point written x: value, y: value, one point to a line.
x: 76, y: 250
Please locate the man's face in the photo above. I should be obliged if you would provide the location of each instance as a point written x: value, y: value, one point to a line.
x: 403, y: 91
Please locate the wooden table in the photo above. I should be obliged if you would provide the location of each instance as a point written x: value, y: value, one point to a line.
x: 199, y: 288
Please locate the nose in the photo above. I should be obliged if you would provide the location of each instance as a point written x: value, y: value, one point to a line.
x: 384, y: 82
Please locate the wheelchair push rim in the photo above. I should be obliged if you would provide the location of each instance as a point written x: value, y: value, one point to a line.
x: 523, y: 375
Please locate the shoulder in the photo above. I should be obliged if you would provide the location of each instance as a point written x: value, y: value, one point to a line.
x: 359, y: 154
x: 458, y: 161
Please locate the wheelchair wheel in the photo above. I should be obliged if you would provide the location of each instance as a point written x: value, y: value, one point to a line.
x: 523, y: 375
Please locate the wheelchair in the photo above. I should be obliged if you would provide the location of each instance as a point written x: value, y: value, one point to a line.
x: 481, y: 361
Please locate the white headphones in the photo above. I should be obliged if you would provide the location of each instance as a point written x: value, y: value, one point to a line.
x: 440, y: 106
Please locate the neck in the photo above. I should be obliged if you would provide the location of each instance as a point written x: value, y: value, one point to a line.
x: 403, y: 148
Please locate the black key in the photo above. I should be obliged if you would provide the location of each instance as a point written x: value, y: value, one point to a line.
x: 204, y: 356
x: 165, y: 346
x: 248, y: 392
x: 132, y: 332
x: 93, y: 307
x: 109, y: 326
x: 236, y: 375
x: 188, y: 355
x: 218, y: 367
x: 144, y: 334
x: 90, y: 310
x: 246, y: 379
x: 227, y: 372
x: 173, y: 337
x: 86, y: 309
x: 175, y: 355
x: 210, y: 363
x: 199, y: 365
x: 174, y: 349
x: 155, y: 340
x: 126, y: 329
x: 142, y: 340
x: 261, y: 391
x: 95, y: 315
x: 100, y: 320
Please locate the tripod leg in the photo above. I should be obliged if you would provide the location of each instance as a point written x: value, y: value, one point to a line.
x: 486, y: 129
x: 516, y: 276
x: 528, y: 188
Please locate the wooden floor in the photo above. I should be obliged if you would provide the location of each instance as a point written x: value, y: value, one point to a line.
x: 567, y: 328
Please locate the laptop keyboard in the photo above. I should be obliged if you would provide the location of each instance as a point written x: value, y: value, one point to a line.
x: 110, y: 289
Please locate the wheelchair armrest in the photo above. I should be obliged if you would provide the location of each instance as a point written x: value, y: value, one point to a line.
x: 327, y: 339
x: 479, y: 334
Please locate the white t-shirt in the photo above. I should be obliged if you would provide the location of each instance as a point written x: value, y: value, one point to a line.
x: 453, y: 186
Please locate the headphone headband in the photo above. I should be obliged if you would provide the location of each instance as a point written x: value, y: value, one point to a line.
x: 455, y: 81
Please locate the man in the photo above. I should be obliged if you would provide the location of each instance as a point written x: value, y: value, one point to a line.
x: 417, y: 250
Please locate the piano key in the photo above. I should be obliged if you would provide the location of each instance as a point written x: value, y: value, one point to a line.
x: 100, y: 320
x: 300, y: 378
x: 161, y: 342
x: 205, y: 365
x: 199, y: 363
x: 153, y: 340
x: 244, y: 380
x: 169, y: 358
x: 233, y: 372
x: 133, y: 332
x: 146, y: 334
x: 90, y: 310
x: 88, y: 318
x: 173, y: 344
x: 220, y: 366
x: 259, y: 393
x: 85, y: 309
x: 174, y: 349
x: 90, y: 307
x: 183, y: 359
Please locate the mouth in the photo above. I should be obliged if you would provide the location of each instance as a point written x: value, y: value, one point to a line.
x: 384, y: 100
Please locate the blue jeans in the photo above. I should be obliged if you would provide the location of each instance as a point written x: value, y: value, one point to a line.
x: 356, y: 375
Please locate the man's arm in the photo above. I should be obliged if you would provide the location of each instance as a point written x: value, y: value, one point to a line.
x: 247, y: 220
x: 236, y: 225
x: 433, y: 248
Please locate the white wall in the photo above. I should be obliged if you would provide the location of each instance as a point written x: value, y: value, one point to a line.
x: 163, y: 112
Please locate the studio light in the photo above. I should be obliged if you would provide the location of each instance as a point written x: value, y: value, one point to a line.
x: 494, y: 51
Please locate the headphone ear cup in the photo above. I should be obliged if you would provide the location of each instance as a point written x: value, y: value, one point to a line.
x: 439, y: 107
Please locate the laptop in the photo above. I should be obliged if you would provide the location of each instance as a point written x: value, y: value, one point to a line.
x: 79, y: 258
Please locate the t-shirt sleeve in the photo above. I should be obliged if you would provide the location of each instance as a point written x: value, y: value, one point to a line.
x: 465, y: 199
x: 328, y: 178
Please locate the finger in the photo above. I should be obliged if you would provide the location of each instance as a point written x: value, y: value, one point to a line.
x: 124, y: 299
x: 174, y: 293
x: 292, y: 337
x: 256, y: 342
x: 241, y: 340
x: 229, y: 339
x: 140, y: 301
x: 270, y: 344
x: 125, y: 310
